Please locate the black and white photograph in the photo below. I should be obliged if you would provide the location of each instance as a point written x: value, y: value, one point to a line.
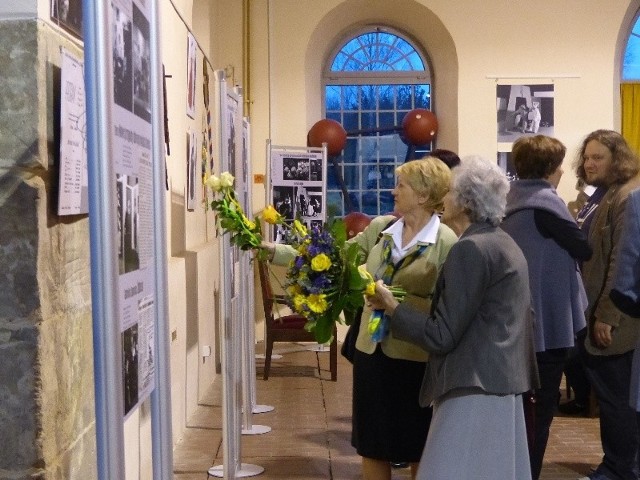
x: 524, y: 110
x: 296, y: 169
x: 315, y: 170
x: 191, y: 75
x: 130, y: 367
x: 122, y: 63
x: 68, y: 14
x: 307, y: 202
x: 231, y: 143
x: 141, y: 65
x: 506, y: 164
x: 283, y: 202
x: 128, y: 223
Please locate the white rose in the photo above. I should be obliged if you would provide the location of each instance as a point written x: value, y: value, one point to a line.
x: 226, y: 180
x: 213, y: 182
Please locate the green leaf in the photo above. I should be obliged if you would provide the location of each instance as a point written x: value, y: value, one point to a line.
x: 324, y: 330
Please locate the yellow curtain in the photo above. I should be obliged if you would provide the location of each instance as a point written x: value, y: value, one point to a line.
x: 630, y: 96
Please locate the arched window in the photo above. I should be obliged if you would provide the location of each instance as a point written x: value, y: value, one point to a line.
x: 370, y: 83
x: 631, y: 64
x: 630, y: 89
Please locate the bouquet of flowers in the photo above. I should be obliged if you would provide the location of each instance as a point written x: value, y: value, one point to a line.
x: 324, y: 279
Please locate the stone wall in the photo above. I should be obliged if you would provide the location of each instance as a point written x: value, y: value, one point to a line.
x: 46, y: 355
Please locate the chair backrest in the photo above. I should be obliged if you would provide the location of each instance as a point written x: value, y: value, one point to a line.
x: 267, y: 291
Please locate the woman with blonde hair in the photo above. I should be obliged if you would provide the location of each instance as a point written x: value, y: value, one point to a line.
x: 388, y: 424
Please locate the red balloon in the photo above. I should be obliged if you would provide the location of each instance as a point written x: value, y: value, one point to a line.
x: 420, y: 126
x: 330, y: 132
x: 355, y: 223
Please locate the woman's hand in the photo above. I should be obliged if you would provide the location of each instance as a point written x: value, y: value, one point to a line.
x: 602, y: 334
x: 269, y: 248
x: 383, y: 299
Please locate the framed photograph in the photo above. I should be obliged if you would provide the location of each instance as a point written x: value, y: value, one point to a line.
x: 68, y: 14
x: 192, y: 149
x: 141, y: 65
x: 191, y: 75
x: 524, y: 110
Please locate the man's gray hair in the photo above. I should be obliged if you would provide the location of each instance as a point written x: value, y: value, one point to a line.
x: 481, y: 188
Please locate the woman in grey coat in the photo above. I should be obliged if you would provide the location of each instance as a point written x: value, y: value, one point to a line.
x: 480, y: 337
x: 540, y: 223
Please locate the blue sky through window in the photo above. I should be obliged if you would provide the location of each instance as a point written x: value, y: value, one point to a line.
x: 631, y: 67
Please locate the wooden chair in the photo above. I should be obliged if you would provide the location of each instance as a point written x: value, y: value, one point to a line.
x: 286, y: 328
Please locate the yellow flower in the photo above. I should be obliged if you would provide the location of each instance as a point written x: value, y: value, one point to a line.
x: 320, y: 263
x: 271, y: 215
x: 299, y: 301
x: 317, y: 302
x: 226, y: 180
x: 294, y: 290
x: 299, y: 227
x: 249, y: 223
x: 370, y: 289
x: 213, y: 182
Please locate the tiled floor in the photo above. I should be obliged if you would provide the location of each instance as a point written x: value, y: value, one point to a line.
x: 311, y: 426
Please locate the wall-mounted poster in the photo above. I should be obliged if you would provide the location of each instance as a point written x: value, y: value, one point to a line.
x: 73, y: 191
x: 524, y: 110
x: 133, y: 170
x: 506, y: 164
x: 191, y: 75
x: 297, y: 186
x: 68, y: 14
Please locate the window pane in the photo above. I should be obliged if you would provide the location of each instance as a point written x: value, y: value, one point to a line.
x: 385, y: 97
x: 356, y: 201
x: 332, y: 179
x: 631, y: 68
x: 335, y: 116
x: 386, y: 120
x: 387, y: 177
x: 332, y: 94
x: 350, y: 121
x: 368, y: 120
x: 370, y: 203
x: 334, y: 204
x: 377, y: 51
x: 404, y: 97
x: 368, y: 97
x: 386, y: 203
x: 350, y: 176
x: 423, y: 96
x: 350, y: 97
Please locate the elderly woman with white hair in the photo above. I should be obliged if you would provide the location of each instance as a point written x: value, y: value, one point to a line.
x: 479, y: 334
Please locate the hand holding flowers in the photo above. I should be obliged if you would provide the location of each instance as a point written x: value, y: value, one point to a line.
x: 230, y: 217
x: 384, y: 299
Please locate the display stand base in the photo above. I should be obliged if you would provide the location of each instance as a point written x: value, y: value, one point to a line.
x: 319, y: 348
x: 246, y: 470
x: 256, y: 430
x: 274, y: 356
x: 262, y: 408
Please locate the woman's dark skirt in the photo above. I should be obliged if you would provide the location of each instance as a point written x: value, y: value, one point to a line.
x: 388, y: 422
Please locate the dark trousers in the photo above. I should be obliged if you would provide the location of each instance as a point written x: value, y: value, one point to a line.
x: 610, y: 378
x: 576, y: 376
x: 550, y: 366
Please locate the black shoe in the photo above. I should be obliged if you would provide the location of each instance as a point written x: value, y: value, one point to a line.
x: 572, y: 408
